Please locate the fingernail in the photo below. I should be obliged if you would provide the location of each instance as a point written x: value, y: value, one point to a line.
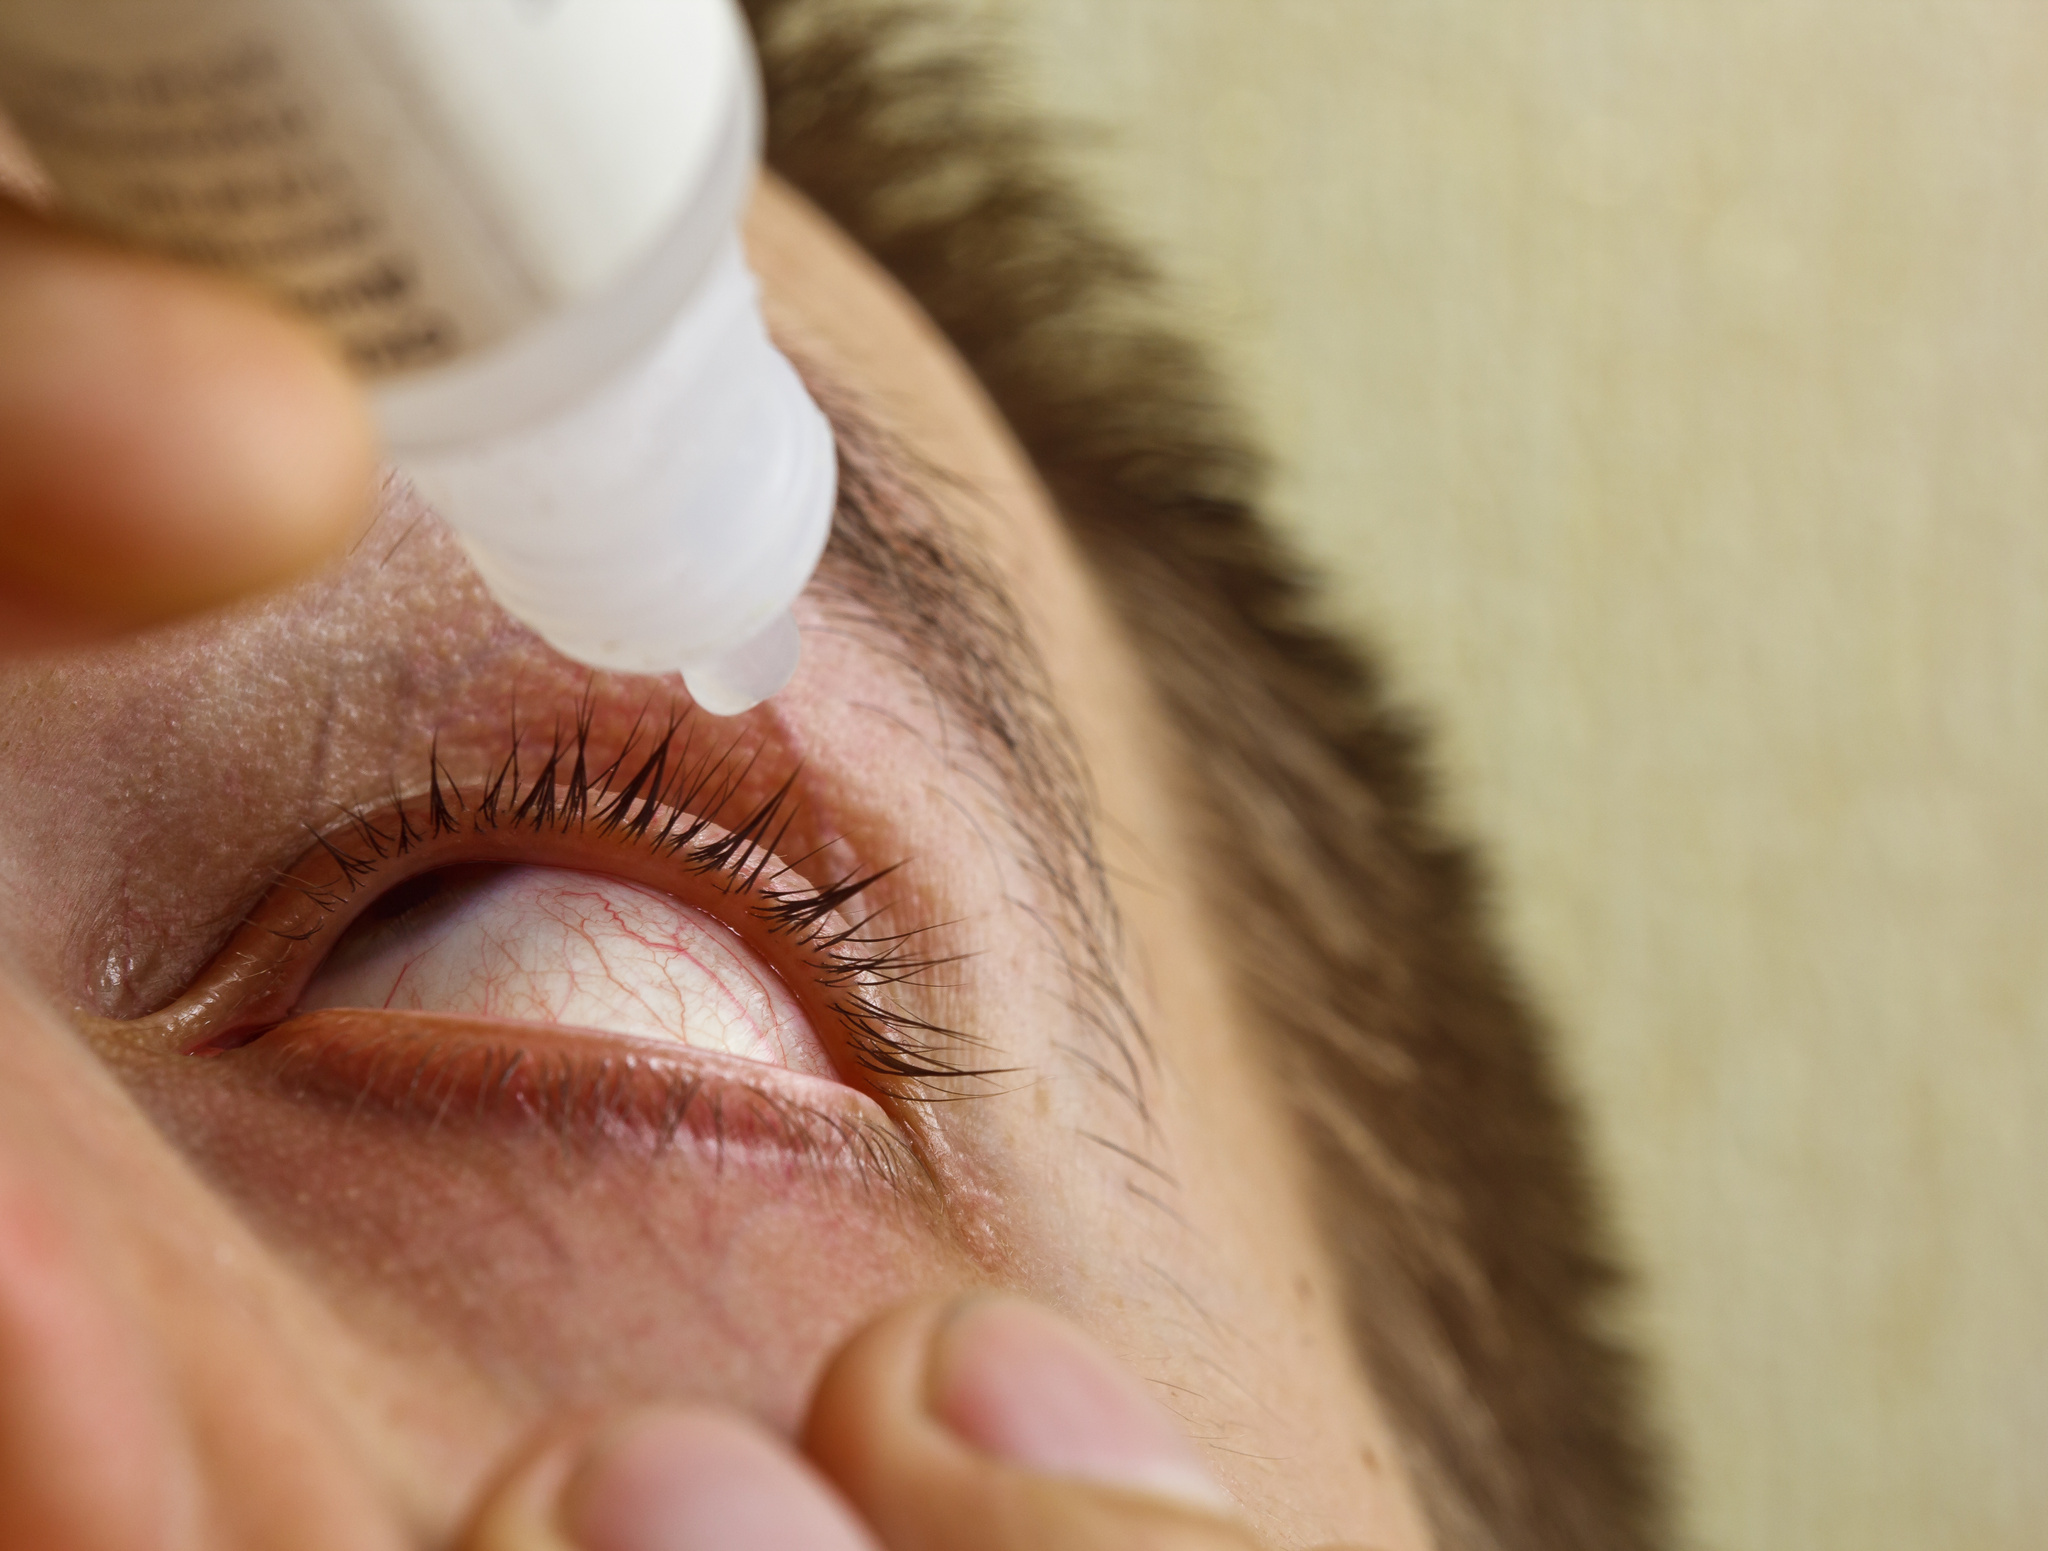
x: 1017, y: 1383
x: 701, y: 1481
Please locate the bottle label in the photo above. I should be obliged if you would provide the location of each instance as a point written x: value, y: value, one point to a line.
x: 421, y: 177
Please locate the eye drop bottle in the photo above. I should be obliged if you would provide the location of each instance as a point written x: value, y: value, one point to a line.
x: 519, y: 218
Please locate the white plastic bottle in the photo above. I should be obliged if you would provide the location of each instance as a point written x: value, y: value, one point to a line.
x: 519, y: 217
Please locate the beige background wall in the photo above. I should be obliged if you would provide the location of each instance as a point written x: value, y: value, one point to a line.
x: 1667, y: 380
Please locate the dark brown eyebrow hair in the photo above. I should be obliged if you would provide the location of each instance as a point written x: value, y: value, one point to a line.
x: 1450, y: 1171
x: 905, y: 578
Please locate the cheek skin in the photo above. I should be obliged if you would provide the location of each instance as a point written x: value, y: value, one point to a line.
x: 502, y: 1273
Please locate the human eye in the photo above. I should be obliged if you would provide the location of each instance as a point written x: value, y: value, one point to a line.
x: 639, y: 938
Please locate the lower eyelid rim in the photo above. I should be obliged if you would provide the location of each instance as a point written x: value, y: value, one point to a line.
x: 572, y: 1084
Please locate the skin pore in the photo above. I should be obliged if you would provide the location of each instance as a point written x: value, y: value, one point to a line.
x: 459, y: 1228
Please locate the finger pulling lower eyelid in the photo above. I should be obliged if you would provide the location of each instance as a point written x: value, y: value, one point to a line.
x: 1018, y: 1383
x: 685, y: 1480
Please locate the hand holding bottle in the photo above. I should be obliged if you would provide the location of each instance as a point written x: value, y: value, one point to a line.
x: 518, y: 222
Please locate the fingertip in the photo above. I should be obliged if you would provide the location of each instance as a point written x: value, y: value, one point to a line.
x: 90, y: 1455
x: 699, y: 1480
x: 991, y: 1422
x: 167, y: 441
x: 874, y: 1390
x: 1025, y: 1387
x: 666, y: 1478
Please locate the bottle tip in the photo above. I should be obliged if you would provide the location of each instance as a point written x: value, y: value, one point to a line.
x: 748, y: 674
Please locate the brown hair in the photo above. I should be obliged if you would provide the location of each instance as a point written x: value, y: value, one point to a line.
x: 1454, y: 1189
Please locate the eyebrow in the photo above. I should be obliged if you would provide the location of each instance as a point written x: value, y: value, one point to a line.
x: 898, y: 568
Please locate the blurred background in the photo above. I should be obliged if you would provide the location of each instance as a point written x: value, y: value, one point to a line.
x: 1665, y: 384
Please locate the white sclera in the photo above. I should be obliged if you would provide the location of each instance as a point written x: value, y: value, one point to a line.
x: 576, y: 950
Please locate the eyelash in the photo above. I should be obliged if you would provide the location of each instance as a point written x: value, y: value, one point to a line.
x: 850, y: 965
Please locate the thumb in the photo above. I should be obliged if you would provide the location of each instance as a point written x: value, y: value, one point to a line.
x: 167, y: 441
x: 992, y: 1425
x: 988, y: 1426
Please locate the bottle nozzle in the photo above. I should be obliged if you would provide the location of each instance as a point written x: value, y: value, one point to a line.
x: 654, y: 525
x: 742, y: 678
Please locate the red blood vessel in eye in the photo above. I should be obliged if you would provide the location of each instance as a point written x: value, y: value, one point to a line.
x: 567, y: 948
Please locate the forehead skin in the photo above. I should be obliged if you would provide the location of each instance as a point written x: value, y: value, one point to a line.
x: 1165, y: 1213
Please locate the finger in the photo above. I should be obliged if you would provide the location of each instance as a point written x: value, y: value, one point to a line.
x: 90, y: 1458
x: 167, y: 441
x: 666, y: 1480
x: 992, y: 1425
x: 160, y: 1385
